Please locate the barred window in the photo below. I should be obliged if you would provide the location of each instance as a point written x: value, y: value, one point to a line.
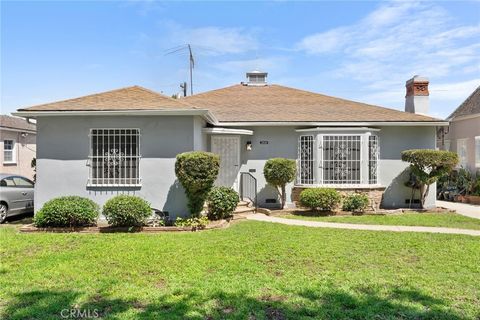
x: 341, y: 159
x: 306, y: 173
x: 338, y: 160
x: 373, y: 151
x: 114, y: 157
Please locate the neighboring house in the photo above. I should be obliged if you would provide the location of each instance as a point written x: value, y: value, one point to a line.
x: 463, y: 133
x: 126, y: 141
x: 17, y: 139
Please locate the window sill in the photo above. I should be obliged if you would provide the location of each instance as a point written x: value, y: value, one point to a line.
x: 116, y: 185
x: 10, y: 163
x: 341, y: 186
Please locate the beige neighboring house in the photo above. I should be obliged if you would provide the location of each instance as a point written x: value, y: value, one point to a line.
x: 463, y: 133
x: 18, y: 143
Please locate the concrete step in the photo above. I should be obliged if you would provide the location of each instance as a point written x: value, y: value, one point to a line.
x: 243, y: 204
x: 244, y: 210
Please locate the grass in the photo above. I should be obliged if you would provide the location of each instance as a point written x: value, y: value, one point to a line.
x: 252, y: 270
x: 429, y: 219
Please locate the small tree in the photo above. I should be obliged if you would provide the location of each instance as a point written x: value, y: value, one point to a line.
x: 428, y: 166
x: 278, y: 172
x: 197, y: 172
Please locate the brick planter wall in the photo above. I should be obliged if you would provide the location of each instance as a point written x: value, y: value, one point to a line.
x: 375, y: 195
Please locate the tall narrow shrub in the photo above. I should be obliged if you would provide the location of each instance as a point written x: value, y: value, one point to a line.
x: 197, y: 171
x: 428, y: 166
x: 278, y: 172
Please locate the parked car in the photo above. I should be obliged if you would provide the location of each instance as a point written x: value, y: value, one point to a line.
x: 16, y: 195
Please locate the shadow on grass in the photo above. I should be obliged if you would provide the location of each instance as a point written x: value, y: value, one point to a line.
x: 310, y: 213
x: 324, y: 304
x: 24, y: 218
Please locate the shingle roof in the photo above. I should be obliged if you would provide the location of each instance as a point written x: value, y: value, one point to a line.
x: 241, y: 103
x: 16, y: 123
x: 470, y: 106
x: 130, y: 98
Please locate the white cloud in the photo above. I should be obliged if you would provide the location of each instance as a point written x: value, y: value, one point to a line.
x: 212, y: 40
x: 454, y: 90
x: 399, y: 39
x: 271, y: 64
x: 325, y: 42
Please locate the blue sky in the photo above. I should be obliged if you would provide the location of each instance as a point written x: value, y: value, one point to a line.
x: 362, y: 51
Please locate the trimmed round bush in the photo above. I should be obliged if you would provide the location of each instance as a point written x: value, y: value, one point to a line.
x: 278, y: 172
x: 197, y: 172
x: 222, y: 201
x: 356, y: 202
x: 321, y: 199
x: 126, y: 211
x: 69, y: 211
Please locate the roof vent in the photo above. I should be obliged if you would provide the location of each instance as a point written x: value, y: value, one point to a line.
x: 256, y: 78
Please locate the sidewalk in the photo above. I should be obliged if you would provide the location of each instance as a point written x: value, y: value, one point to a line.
x: 317, y: 224
x: 465, y: 209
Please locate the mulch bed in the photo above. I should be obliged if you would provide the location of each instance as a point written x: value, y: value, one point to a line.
x: 307, y: 212
x: 30, y: 228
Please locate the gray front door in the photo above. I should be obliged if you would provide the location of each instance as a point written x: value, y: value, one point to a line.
x: 228, y: 148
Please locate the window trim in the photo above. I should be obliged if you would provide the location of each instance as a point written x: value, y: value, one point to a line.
x: 138, y: 179
x: 13, y: 151
x: 465, y: 163
x: 477, y: 151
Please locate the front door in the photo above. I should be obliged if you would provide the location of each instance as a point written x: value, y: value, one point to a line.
x: 228, y: 148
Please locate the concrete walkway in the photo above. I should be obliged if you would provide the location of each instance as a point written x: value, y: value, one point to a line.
x: 465, y: 209
x: 318, y: 224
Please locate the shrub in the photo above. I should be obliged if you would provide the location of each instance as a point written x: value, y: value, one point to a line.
x: 197, y: 172
x: 278, y: 172
x: 222, y: 201
x: 323, y: 199
x: 126, y: 211
x: 196, y: 223
x: 465, y: 181
x: 428, y: 166
x: 356, y: 202
x: 69, y: 211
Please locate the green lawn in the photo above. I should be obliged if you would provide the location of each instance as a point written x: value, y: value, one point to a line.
x: 252, y: 270
x: 450, y: 220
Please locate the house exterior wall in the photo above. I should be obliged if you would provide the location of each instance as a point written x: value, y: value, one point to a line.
x: 63, y: 149
x: 24, y: 151
x: 464, y: 129
x: 283, y: 142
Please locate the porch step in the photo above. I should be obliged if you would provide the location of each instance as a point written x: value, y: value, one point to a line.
x: 244, y: 210
x: 243, y: 204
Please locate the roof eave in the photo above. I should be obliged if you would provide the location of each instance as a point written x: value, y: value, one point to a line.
x: 55, y: 113
x: 335, y: 124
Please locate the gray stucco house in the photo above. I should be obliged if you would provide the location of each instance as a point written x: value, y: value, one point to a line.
x: 126, y: 141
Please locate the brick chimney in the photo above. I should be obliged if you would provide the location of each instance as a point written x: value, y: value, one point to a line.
x: 416, y: 99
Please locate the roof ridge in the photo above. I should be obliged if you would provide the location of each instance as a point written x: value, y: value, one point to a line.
x: 334, y: 97
x: 80, y: 97
x: 464, y: 102
x: 213, y: 90
x: 109, y: 92
x: 164, y: 96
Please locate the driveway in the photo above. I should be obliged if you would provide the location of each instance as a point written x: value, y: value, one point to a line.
x: 465, y: 209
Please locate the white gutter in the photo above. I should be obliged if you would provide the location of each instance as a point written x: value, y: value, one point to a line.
x: 227, y: 131
x: 334, y: 124
x: 343, y: 129
x: 172, y: 112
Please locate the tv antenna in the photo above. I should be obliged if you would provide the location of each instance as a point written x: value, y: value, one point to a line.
x: 179, y: 50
